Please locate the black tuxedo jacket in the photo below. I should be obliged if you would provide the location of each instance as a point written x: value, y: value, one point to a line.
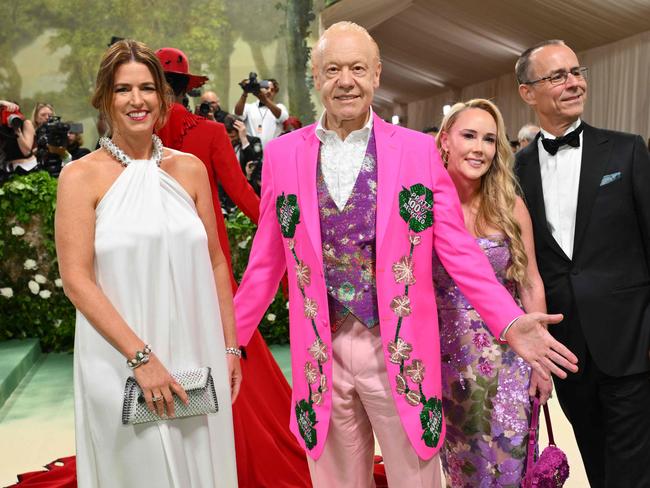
x: 604, y: 290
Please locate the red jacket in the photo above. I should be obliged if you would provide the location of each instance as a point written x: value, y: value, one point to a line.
x: 209, y: 141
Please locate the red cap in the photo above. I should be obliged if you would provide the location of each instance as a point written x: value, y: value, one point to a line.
x: 174, y: 61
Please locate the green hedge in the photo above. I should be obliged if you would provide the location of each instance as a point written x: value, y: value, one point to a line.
x: 32, y: 302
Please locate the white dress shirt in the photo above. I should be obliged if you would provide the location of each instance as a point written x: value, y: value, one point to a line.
x: 260, y: 121
x: 341, y: 160
x: 560, y: 180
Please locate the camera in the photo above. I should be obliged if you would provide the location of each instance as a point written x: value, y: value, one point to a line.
x: 254, y: 86
x: 52, y: 133
x: 12, y: 119
x: 204, y: 109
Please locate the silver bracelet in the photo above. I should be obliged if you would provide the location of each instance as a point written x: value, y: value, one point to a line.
x: 235, y: 351
x: 141, y: 357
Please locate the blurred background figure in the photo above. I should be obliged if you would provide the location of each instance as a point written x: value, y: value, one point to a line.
x: 76, y: 141
x: 432, y: 130
x: 16, y: 140
x: 527, y: 135
x: 291, y: 124
x: 41, y: 113
x: 210, y: 108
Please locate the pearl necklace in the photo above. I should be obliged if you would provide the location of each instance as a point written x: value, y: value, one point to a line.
x: 125, y: 160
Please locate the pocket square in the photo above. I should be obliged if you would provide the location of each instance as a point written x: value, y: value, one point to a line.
x: 610, y: 178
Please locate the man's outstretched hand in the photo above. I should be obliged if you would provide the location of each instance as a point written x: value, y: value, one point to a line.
x: 529, y: 338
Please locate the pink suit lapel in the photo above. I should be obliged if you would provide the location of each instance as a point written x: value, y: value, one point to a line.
x: 306, y: 163
x: 388, y: 168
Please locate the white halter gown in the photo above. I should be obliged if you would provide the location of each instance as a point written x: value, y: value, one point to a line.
x: 152, y: 262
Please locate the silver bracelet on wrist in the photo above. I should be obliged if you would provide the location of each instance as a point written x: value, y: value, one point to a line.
x: 235, y: 351
x: 141, y: 357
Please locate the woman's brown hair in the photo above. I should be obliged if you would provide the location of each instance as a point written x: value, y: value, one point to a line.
x: 126, y: 51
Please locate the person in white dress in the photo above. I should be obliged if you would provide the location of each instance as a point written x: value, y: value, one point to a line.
x: 139, y: 258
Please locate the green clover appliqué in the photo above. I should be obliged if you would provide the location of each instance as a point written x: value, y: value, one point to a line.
x: 288, y: 214
x: 416, y: 207
x: 306, y: 418
x: 431, y: 421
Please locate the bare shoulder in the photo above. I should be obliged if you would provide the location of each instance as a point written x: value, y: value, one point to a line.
x: 88, y: 169
x: 180, y: 163
x: 188, y: 170
x: 91, y: 175
x: 521, y: 211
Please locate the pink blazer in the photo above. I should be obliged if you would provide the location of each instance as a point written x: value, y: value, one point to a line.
x: 411, y: 180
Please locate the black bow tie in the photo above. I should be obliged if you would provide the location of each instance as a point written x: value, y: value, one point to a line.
x: 571, y: 139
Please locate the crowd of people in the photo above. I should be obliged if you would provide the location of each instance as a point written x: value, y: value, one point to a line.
x: 435, y: 283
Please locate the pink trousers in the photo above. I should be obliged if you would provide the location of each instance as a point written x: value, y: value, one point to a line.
x: 362, y: 403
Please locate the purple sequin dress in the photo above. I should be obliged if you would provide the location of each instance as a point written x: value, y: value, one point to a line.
x: 484, y: 387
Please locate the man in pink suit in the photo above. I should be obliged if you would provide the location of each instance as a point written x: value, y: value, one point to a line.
x: 353, y: 207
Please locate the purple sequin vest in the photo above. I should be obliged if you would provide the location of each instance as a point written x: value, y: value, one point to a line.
x: 348, y: 238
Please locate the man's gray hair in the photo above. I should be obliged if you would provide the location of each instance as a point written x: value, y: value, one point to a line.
x: 522, y: 68
x: 528, y: 132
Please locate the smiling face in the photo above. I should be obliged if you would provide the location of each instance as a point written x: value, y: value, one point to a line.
x: 557, y: 106
x: 470, y: 144
x: 136, y: 103
x: 346, y: 73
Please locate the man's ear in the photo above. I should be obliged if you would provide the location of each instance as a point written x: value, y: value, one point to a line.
x: 377, y: 75
x: 527, y: 94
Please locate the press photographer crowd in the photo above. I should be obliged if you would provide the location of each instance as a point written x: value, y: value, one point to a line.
x: 45, y: 142
x: 42, y: 143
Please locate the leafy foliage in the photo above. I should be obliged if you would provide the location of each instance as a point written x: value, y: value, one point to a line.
x: 32, y: 300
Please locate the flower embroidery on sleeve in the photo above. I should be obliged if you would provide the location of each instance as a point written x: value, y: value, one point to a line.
x: 288, y: 214
x: 416, y: 208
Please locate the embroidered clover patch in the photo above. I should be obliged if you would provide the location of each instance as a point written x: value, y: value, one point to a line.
x: 306, y: 418
x: 288, y: 214
x: 431, y: 421
x: 416, y: 207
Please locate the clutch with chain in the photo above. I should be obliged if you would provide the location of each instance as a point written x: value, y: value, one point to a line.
x: 198, y: 384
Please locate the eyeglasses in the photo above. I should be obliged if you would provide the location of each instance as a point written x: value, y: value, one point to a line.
x: 560, y: 77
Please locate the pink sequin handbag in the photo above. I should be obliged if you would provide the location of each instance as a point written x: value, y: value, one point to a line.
x: 551, y: 469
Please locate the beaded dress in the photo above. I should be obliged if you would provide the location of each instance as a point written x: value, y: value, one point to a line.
x: 484, y: 386
x: 153, y: 264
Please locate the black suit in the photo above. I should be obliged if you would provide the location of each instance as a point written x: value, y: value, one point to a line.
x: 604, y: 294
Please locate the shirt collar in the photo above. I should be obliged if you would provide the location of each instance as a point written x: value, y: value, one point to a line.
x: 324, y: 134
x: 574, y: 126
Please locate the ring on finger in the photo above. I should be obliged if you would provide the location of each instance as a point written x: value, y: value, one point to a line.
x: 157, y: 398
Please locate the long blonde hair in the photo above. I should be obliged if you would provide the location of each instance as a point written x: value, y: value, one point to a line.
x: 499, y: 188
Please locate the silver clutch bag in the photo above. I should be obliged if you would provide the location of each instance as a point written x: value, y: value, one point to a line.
x: 198, y: 384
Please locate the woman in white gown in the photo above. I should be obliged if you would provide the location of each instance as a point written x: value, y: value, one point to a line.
x: 139, y: 258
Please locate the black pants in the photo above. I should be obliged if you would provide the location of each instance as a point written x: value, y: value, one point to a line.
x: 611, y: 422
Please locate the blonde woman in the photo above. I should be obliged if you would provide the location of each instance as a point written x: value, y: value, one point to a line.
x: 486, y: 386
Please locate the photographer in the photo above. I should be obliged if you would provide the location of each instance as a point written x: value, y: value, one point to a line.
x: 209, y: 107
x: 263, y: 118
x: 76, y: 141
x: 42, y: 113
x: 16, y: 139
x: 247, y: 148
